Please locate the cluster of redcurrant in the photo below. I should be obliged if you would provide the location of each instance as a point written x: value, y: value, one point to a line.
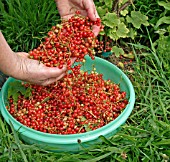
x: 78, y: 103
x: 103, y: 46
x: 71, y: 38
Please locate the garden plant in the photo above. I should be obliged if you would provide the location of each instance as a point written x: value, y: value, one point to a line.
x: 137, y: 35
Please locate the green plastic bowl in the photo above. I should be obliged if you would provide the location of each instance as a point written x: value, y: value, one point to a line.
x: 71, y: 143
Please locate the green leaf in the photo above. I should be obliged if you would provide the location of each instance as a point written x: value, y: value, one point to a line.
x: 140, y: 46
x: 168, y: 28
x: 132, y: 34
x: 164, y: 4
x: 17, y: 141
x: 2, y: 9
x: 118, y: 32
x: 28, y: 92
x: 163, y: 46
x: 118, y: 51
x: 163, y: 142
x: 108, y: 3
x: 137, y: 19
x: 106, y: 140
x: 111, y: 20
x: 101, y: 11
x: 98, y: 158
x: 163, y: 20
x: 122, y: 30
x: 16, y: 88
x: 124, y: 12
x: 102, y: 32
x: 160, y: 31
x: 112, y: 34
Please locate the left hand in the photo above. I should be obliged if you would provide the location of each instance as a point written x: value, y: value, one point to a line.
x: 33, y: 71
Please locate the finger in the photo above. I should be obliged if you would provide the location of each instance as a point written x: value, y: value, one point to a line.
x: 52, y: 80
x: 48, y: 81
x: 90, y: 8
x: 52, y: 72
x: 60, y: 77
x: 56, y: 73
x: 96, y: 29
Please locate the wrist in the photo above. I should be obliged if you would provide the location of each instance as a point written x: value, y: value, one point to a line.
x: 9, y: 65
x: 18, y: 69
x: 7, y: 57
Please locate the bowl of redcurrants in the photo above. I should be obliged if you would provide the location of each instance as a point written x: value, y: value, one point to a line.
x: 93, y: 99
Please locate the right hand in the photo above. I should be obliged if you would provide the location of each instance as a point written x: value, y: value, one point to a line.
x: 67, y: 9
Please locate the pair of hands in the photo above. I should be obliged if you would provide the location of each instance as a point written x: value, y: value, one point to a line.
x: 34, y: 72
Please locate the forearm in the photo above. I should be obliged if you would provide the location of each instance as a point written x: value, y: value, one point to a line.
x: 7, y: 57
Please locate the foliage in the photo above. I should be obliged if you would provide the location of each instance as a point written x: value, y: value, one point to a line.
x: 117, y: 51
x: 157, y: 12
x: 119, y: 21
x: 162, y: 44
x: 164, y: 20
x: 163, y: 49
x: 137, y: 19
x: 16, y: 88
x: 150, y: 8
x: 23, y: 23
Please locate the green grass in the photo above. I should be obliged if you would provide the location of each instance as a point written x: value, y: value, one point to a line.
x: 146, y: 134
x: 153, y: 11
x: 25, y: 22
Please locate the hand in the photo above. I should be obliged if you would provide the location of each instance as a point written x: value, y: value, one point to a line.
x: 67, y: 9
x: 34, y: 72
x: 19, y: 66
